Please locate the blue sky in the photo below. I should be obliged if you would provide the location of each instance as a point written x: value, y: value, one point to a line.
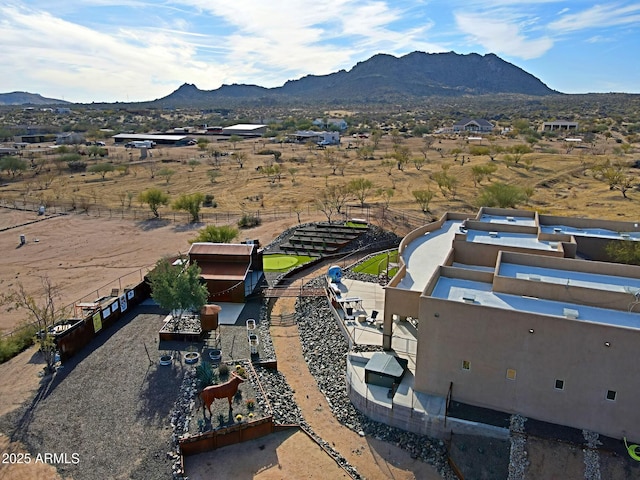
x: 136, y: 50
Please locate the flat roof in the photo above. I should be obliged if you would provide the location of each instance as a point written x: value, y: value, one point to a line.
x: 480, y: 293
x: 590, y: 232
x: 596, y: 281
x: 245, y: 126
x: 149, y: 136
x: 508, y: 239
x: 509, y: 220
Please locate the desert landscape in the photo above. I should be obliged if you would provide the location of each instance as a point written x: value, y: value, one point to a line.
x: 96, y: 234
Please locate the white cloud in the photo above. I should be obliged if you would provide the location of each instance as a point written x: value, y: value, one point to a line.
x: 106, y: 50
x: 598, y: 16
x: 502, y: 34
x: 85, y: 64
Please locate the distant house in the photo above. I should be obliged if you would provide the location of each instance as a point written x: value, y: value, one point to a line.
x: 69, y: 138
x: 339, y: 123
x: 231, y: 271
x: 559, y: 125
x: 476, y: 125
x: 63, y: 110
x: 319, y: 138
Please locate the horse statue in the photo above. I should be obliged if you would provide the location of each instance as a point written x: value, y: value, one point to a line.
x: 225, y: 390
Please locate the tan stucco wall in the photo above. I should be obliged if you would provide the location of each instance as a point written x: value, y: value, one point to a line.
x: 566, y: 293
x: 493, y: 340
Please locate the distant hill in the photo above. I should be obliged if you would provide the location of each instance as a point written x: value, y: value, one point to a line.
x: 26, y: 98
x: 383, y: 78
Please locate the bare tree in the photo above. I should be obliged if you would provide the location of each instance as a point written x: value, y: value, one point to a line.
x: 42, y: 312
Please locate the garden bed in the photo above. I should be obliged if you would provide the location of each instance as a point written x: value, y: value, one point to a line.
x: 186, y: 328
x: 245, y: 405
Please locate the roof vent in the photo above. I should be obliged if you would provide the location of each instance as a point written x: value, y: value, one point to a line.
x: 557, y: 230
x: 468, y: 298
x: 570, y: 313
x: 493, y: 234
x: 625, y: 235
x: 535, y: 278
x: 511, y: 219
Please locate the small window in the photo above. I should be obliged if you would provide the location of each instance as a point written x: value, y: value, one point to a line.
x: 466, y: 365
x: 559, y: 384
x: 511, y: 374
x: 611, y: 395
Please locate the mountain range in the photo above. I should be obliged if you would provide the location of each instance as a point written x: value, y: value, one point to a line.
x: 384, y: 78
x: 26, y: 98
x: 380, y: 79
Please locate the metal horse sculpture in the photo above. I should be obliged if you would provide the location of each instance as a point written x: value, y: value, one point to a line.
x: 226, y: 390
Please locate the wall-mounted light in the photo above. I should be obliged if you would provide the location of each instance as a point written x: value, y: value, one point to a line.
x: 607, y: 344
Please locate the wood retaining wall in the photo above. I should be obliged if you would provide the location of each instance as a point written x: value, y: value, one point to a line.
x: 223, y: 437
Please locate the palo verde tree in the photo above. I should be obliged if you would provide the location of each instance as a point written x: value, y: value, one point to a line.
x: 501, y: 195
x: 154, y: 197
x: 624, y: 251
x: 360, y: 187
x: 178, y: 288
x: 214, y: 234
x: 102, y: 169
x: 235, y: 139
x: 190, y: 203
x: 423, y: 198
x: 43, y: 312
x: 13, y: 165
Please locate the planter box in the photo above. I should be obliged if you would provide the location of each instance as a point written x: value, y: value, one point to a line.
x: 222, y: 437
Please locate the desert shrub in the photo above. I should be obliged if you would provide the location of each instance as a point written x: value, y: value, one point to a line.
x: 240, y: 371
x: 276, y: 153
x: 205, y: 375
x: 223, y: 371
x: 77, y: 165
x: 215, y: 234
x: 12, y: 345
x: 248, y: 220
x: 209, y: 201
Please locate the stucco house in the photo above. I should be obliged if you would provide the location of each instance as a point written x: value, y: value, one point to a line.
x: 520, y: 313
x: 475, y: 125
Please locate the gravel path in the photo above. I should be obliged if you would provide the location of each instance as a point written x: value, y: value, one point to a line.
x: 112, y: 407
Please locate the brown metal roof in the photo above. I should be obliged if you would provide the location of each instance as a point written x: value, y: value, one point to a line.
x: 210, y: 309
x: 221, y: 249
x: 224, y: 271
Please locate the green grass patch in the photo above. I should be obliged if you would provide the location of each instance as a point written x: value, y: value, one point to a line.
x: 283, y: 263
x: 356, y: 225
x: 378, y: 264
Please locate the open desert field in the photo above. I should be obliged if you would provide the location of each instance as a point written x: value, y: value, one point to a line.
x: 560, y: 177
x: 86, y: 256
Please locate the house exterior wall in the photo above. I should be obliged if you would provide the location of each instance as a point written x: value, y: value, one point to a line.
x: 230, y: 291
x: 551, y: 126
x: 493, y: 340
x: 591, y: 358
